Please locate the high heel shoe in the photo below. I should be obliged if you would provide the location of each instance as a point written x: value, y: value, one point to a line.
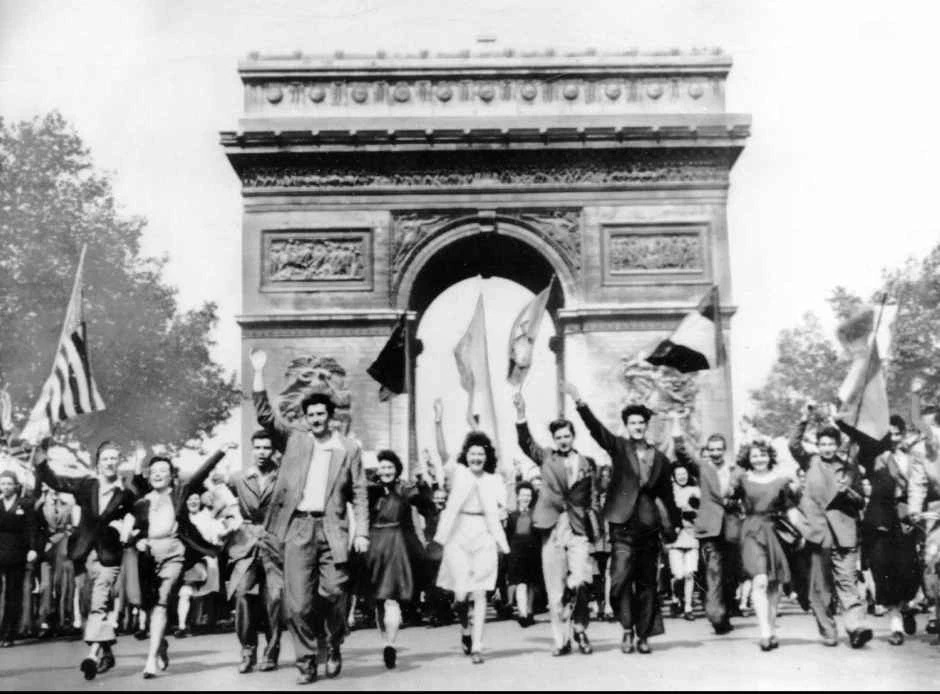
x: 467, y: 641
x: 765, y: 645
x: 477, y: 658
x: 774, y: 643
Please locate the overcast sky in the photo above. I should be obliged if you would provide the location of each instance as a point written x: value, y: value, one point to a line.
x: 837, y: 181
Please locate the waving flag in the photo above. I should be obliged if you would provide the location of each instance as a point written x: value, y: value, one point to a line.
x: 524, y: 331
x: 696, y: 344
x: 474, y: 367
x: 389, y: 367
x: 70, y: 389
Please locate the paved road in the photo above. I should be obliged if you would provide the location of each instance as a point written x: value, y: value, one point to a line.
x: 688, y: 656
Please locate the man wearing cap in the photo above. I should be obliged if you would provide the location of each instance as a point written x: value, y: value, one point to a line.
x: 641, y: 481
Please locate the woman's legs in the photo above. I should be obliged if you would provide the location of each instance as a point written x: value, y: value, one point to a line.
x: 759, y: 600
x: 391, y: 620
x: 157, y: 632
x: 774, y: 591
x: 183, y: 602
x: 523, y: 600
x: 479, y: 619
x: 688, y: 588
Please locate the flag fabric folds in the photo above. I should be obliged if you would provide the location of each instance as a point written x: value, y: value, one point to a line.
x: 389, y: 367
x: 696, y: 344
x: 70, y: 389
x: 863, y: 396
x: 474, y: 368
x: 524, y: 331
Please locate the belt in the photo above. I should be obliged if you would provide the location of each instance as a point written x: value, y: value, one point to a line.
x: 309, y: 514
x: 472, y: 513
x: 385, y: 525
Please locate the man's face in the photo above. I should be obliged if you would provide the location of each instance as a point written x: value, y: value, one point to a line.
x: 440, y: 499
x: 715, y: 450
x: 318, y: 419
x: 636, y: 427
x: 564, y: 439
x: 896, y: 436
x: 681, y: 475
x: 108, y: 463
x: 866, y: 487
x: 7, y: 487
x: 827, y: 447
x: 262, y: 449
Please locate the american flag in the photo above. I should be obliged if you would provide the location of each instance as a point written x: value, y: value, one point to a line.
x: 70, y: 389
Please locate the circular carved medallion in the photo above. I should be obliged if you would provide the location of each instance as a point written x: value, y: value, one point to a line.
x: 444, y: 92
x: 317, y: 94
x: 655, y: 90
x: 529, y: 91
x: 612, y: 91
x: 274, y: 94
x: 487, y: 92
x: 401, y: 93
x: 696, y: 90
x: 570, y: 92
x: 359, y: 94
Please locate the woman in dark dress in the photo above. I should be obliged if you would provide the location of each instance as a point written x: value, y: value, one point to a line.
x: 525, y: 553
x: 765, y: 496
x: 394, y: 550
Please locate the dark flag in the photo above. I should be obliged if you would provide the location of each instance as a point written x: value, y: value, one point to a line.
x: 389, y: 367
x: 696, y: 344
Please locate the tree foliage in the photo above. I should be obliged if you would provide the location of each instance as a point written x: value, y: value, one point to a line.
x: 151, y: 360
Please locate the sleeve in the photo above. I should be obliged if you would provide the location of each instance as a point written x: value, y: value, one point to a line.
x: 198, y: 480
x: 800, y: 455
x: 422, y: 498
x: 60, y: 483
x: 868, y: 448
x: 605, y: 439
x: 360, y: 493
x: 665, y: 493
x: 528, y: 444
x: 264, y: 413
x: 34, y: 533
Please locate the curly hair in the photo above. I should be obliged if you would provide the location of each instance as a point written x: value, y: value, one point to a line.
x: 744, y: 455
x: 392, y: 457
x: 478, y: 438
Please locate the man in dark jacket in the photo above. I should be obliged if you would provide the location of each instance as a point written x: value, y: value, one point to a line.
x: 641, y: 481
x: 19, y: 545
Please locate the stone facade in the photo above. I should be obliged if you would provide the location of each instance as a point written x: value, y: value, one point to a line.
x: 363, y: 176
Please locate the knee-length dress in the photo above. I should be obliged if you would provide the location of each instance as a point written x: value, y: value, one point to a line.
x: 525, y: 551
x: 470, y: 561
x: 395, y: 556
x: 761, y: 551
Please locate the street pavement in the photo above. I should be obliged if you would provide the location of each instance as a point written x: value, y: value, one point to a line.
x: 687, y: 656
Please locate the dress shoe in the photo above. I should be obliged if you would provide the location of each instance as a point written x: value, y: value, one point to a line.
x: 830, y: 641
x: 774, y: 643
x: 334, y: 662
x: 564, y: 650
x: 909, y: 622
x: 89, y: 668
x: 688, y: 616
x: 163, y: 655
x: 584, y: 645
x: 6, y: 643
x: 642, y: 646
x: 765, y: 645
x: 44, y: 632
x: 106, y: 662
x: 626, y: 644
x: 896, y: 638
x: 723, y: 628
x: 476, y: 658
x: 931, y: 627
x: 390, y: 656
x: 249, y: 658
x: 149, y: 674
x: 467, y: 642
x: 860, y: 637
x: 141, y: 635
x: 308, y: 673
x: 180, y: 633
x: 267, y: 665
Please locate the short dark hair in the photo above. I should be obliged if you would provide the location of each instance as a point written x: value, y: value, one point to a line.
x: 717, y: 437
x: 631, y: 410
x: 103, y: 446
x: 318, y: 399
x: 478, y: 438
x: 897, y: 420
x: 262, y: 434
x: 11, y: 475
x: 162, y: 459
x: 559, y: 424
x: 831, y: 433
x: 525, y: 485
x: 744, y: 457
x: 392, y: 457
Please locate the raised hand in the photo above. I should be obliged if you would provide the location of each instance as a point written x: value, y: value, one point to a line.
x: 258, y: 359
x: 229, y: 446
x: 917, y: 384
x: 809, y: 409
x: 572, y: 390
x: 438, y: 409
x: 519, y: 403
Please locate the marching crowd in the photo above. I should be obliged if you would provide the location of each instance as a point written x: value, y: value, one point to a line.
x: 304, y: 539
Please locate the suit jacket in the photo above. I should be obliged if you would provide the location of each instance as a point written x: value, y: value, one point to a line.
x: 626, y: 495
x: 832, y: 516
x: 924, y: 482
x: 492, y: 493
x: 188, y: 533
x: 19, y: 532
x: 713, y: 518
x: 346, y: 483
x: 94, y: 531
x: 556, y: 495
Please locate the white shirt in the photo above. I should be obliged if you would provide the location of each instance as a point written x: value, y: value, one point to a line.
x: 162, y: 517
x: 105, y: 491
x: 724, y: 477
x: 314, y: 496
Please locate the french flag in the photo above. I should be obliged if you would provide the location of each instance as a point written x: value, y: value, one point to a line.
x: 696, y: 344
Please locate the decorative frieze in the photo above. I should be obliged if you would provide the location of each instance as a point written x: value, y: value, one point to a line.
x: 655, y: 253
x: 316, y: 260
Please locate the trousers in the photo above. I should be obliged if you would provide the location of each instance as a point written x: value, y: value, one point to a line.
x: 258, y: 606
x: 634, y: 559
x: 832, y: 573
x: 566, y: 561
x: 720, y: 560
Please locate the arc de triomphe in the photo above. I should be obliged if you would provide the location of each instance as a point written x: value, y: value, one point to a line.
x: 372, y: 183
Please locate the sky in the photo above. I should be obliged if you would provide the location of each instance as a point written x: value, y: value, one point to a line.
x: 836, y: 182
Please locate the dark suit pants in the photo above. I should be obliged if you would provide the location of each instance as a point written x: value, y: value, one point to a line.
x: 314, y: 588
x: 12, y: 578
x: 258, y: 605
x: 633, y: 567
x: 721, y: 579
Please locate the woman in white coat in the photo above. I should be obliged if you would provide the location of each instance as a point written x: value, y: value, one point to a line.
x: 470, y: 532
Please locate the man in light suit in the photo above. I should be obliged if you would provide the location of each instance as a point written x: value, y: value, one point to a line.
x: 562, y: 516
x: 320, y: 473
x: 641, y: 481
x: 832, y: 501
x: 716, y: 526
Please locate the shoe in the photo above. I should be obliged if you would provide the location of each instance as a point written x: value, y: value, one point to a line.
x: 774, y: 643
x: 584, y: 645
x: 180, y: 633
x: 674, y: 609
x: 44, y: 632
x: 909, y: 622
x: 467, y: 642
x: 148, y: 675
x: 106, y: 662
x: 564, y: 650
x: 334, y: 662
x: 526, y: 622
x: 688, y: 616
x: 765, y: 645
x: 476, y: 658
x: 830, y: 641
x: 642, y: 646
x: 163, y: 656
x: 860, y: 637
x: 723, y: 628
x: 267, y: 665
x: 249, y: 658
x: 931, y: 627
x: 141, y: 635
x: 880, y: 611
x: 89, y: 668
x: 896, y: 638
x: 626, y: 644
x: 390, y: 655
x: 6, y: 643
x: 308, y: 673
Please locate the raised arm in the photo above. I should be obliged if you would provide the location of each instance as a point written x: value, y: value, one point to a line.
x: 439, y: 431
x: 195, y: 483
x: 797, y: 449
x: 680, y: 446
x: 605, y: 439
x: 868, y: 448
x: 526, y: 442
x: 264, y: 413
x: 77, y: 486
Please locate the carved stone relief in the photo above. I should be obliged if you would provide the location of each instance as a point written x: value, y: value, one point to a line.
x: 310, y: 259
x: 667, y: 252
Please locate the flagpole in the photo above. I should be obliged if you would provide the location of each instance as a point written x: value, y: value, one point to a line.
x: 412, y: 396
x: 76, y: 286
x: 874, y: 337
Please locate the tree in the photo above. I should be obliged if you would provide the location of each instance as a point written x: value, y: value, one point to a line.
x: 808, y: 367
x: 151, y: 361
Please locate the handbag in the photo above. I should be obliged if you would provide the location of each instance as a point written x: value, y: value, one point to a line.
x: 786, y: 532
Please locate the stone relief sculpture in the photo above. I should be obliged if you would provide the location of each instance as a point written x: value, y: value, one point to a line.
x: 656, y: 252
x: 313, y: 259
x: 662, y: 389
x: 311, y: 374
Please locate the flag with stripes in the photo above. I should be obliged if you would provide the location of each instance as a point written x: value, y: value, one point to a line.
x: 70, y: 389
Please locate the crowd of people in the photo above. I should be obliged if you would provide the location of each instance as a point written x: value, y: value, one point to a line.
x: 306, y: 539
